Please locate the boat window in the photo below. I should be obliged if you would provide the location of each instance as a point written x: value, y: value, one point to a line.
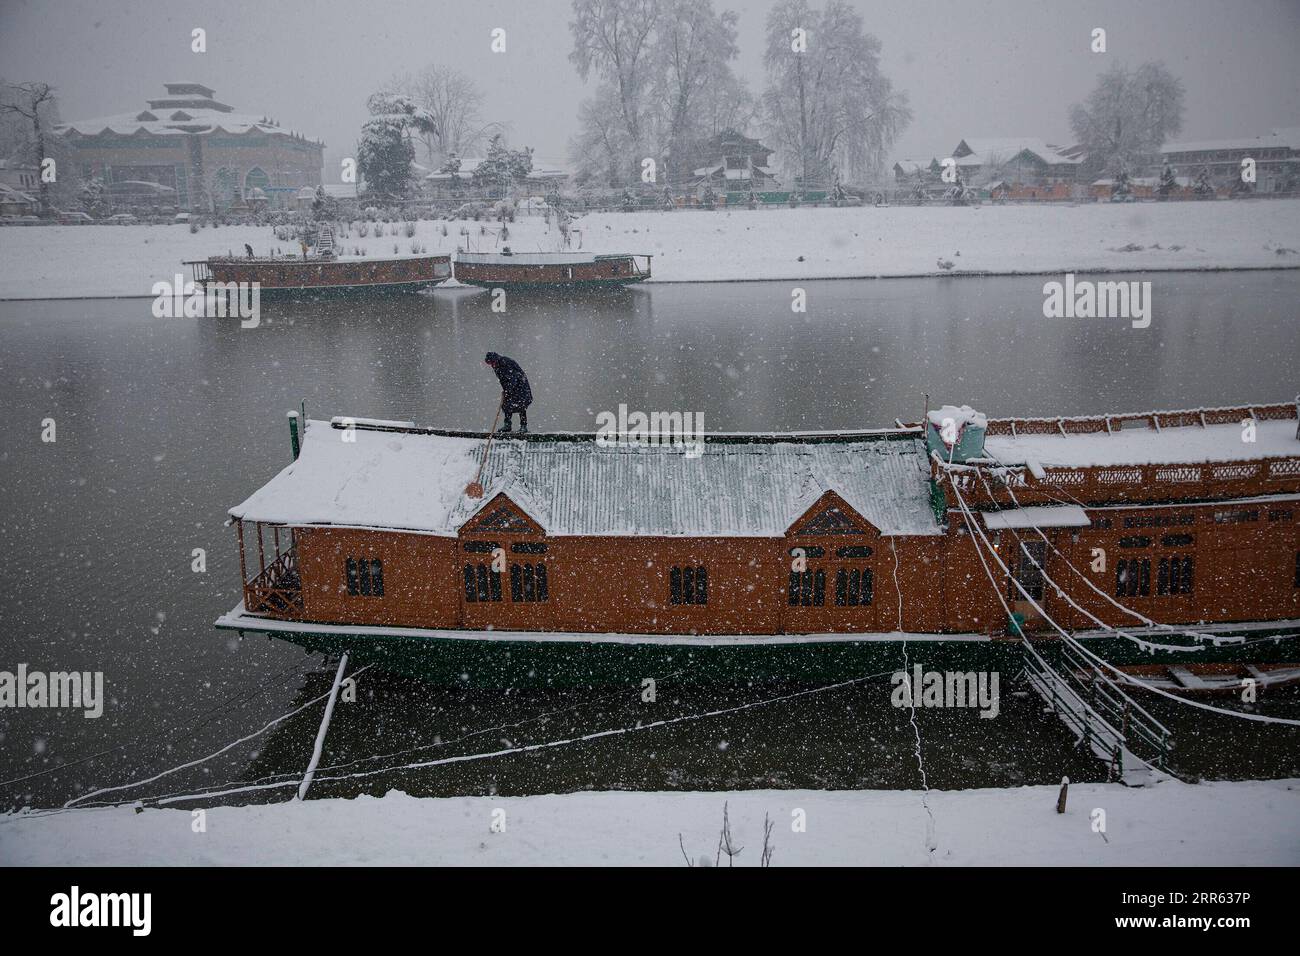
x: 482, y: 583
x: 1177, y: 540
x: 1279, y: 514
x: 1235, y: 517
x: 855, y: 551
x: 1029, y: 571
x: 1174, y: 576
x: 1159, y: 521
x: 481, y: 547
x: 853, y: 586
x: 1137, y: 541
x: 1297, y: 569
x: 529, y: 547
x: 528, y: 582
x: 807, y: 588
x: 688, y: 585
x: 1133, y: 577
x: 811, y: 551
x: 365, y: 577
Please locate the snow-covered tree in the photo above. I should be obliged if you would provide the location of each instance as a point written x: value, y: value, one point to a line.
x: 692, y: 47
x: 503, y: 166
x: 1204, y: 188
x: 614, y: 39
x: 827, y: 104
x: 386, y: 151
x: 34, y: 106
x: 94, y: 198
x: 1129, y: 115
x: 1168, y: 182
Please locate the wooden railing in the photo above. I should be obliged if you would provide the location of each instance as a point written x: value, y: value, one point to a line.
x: 1132, y: 483
x: 1156, y: 421
x: 277, y: 589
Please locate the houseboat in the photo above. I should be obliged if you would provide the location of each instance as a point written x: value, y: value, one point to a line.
x: 1160, y: 537
x: 550, y: 270
x: 322, y: 274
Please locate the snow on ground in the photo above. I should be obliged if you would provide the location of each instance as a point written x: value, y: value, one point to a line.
x: 1253, y: 823
x: 693, y: 246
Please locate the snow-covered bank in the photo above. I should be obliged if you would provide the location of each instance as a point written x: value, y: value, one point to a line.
x: 696, y: 246
x: 1254, y: 823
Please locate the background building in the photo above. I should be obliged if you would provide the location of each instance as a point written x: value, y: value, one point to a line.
x: 203, y: 154
x: 1276, y: 155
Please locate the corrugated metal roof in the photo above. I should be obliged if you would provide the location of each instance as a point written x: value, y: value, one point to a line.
x: 576, y: 487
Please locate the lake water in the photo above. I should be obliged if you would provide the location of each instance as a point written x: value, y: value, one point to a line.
x: 162, y: 425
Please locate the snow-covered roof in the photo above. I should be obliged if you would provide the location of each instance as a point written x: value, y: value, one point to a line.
x: 1188, y: 444
x: 1037, y: 516
x: 176, y: 120
x: 9, y: 194
x: 1002, y: 150
x: 1280, y: 138
x: 527, y: 258
x: 571, y: 486
x: 914, y: 165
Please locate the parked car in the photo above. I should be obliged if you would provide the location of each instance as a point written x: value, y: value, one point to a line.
x: 29, y: 220
x: 75, y: 218
x: 122, y: 219
x: 181, y: 217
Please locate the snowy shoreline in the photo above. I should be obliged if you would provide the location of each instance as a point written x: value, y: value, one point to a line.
x: 1249, y: 823
x: 787, y: 245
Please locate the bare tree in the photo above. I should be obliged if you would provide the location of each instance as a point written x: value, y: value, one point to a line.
x: 827, y: 105
x: 613, y: 38
x: 454, y: 103
x: 34, y: 102
x: 1129, y: 115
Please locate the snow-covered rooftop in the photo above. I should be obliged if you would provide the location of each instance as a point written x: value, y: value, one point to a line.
x: 1189, y: 444
x: 1005, y: 149
x: 192, y: 113
x: 1279, y: 138
x: 572, y: 486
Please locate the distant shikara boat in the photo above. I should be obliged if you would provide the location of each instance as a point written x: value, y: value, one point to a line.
x: 541, y: 270
x: 323, y: 274
x: 803, y: 554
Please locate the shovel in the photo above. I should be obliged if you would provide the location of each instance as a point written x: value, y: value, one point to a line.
x: 475, y: 488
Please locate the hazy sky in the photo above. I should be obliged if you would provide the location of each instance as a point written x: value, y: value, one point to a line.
x: 971, y: 68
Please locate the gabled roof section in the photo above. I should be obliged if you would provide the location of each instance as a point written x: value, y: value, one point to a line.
x: 500, y: 514
x: 830, y: 514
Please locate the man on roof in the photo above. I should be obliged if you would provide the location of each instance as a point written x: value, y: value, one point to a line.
x: 516, y: 394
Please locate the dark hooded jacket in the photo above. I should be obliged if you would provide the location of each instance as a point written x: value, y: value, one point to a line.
x: 514, y: 383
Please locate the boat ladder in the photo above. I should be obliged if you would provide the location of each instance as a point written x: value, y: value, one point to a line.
x: 324, y: 239
x: 1085, y: 698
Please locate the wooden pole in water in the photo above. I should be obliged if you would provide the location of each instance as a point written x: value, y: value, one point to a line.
x: 324, y: 726
x: 1060, y: 798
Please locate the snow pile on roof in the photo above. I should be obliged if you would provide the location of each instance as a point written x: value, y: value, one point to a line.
x: 416, y: 482
x: 960, y: 416
x: 1038, y: 516
x: 1189, y: 444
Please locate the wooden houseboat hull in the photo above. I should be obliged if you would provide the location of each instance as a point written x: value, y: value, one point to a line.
x: 529, y: 659
x: 544, y: 271
x: 325, y: 277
